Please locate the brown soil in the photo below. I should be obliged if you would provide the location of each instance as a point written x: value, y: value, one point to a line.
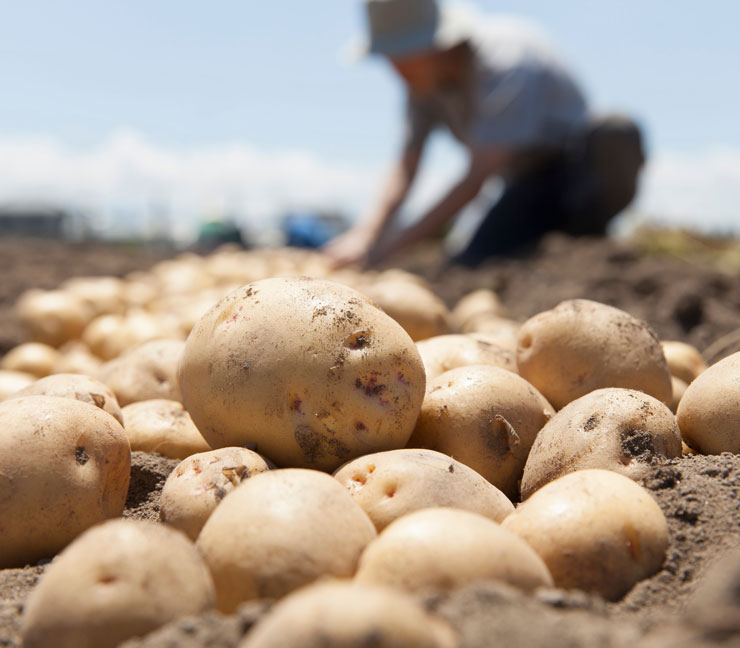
x: 699, y: 495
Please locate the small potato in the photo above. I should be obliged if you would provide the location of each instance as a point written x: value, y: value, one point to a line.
x: 474, y: 304
x: 498, y: 330
x: 485, y: 417
x: 582, y: 345
x: 162, y: 426
x: 616, y: 429
x: 100, y: 294
x: 64, y: 466
x: 684, y: 361
x: 146, y: 372
x: 280, y: 530
x: 709, y: 412
x: 75, y: 357
x: 81, y: 388
x: 310, y: 371
x: 444, y: 352
x: 340, y: 614
x: 11, y: 382
x: 421, y: 313
x: 32, y: 357
x: 52, y: 316
x: 596, y: 530
x: 118, y: 580
x: 444, y: 548
x: 390, y: 484
x: 110, y: 336
x: 197, y: 485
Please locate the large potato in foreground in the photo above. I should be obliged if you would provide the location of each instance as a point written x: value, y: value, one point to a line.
x: 582, y: 345
x: 596, y: 530
x: 308, y: 371
x: 280, y: 530
x: 616, y: 429
x: 485, y: 417
x: 444, y: 352
x: 388, y: 485
x: 118, y: 580
x: 709, y: 412
x: 162, y: 426
x: 339, y: 614
x: 444, y: 548
x: 197, y: 485
x: 146, y: 372
x: 64, y: 466
x: 81, y: 388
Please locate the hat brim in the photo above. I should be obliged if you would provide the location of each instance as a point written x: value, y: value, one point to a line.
x: 454, y: 27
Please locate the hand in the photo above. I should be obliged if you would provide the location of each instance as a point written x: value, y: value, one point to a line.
x: 353, y: 247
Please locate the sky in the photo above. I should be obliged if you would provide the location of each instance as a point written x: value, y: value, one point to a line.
x: 128, y: 110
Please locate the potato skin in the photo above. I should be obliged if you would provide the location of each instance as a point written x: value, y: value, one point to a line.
x: 616, y: 429
x: 582, y: 345
x: 338, y: 614
x: 391, y: 484
x: 308, y: 372
x: 485, y: 417
x: 445, y: 352
x: 444, y: 548
x: 709, y: 414
x: 684, y: 361
x: 64, y: 466
x: 197, y: 485
x: 596, y: 530
x: 118, y: 580
x: 280, y: 530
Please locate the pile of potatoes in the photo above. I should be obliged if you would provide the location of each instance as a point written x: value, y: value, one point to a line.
x: 346, y: 442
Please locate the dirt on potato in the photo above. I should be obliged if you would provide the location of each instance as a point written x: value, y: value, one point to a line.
x: 699, y: 495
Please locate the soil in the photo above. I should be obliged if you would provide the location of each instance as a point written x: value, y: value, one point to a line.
x: 684, y: 604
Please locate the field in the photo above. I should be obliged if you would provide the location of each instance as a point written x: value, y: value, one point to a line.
x: 681, y: 298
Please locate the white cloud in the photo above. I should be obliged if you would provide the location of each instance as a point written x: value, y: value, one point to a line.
x: 127, y: 180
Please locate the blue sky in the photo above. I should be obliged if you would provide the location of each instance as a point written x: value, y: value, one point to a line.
x: 266, y: 78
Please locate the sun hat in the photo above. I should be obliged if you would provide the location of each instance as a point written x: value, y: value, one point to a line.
x: 398, y: 28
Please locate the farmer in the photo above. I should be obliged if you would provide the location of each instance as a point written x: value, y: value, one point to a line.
x: 501, y: 91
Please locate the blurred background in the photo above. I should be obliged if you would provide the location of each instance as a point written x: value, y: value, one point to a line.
x: 135, y: 119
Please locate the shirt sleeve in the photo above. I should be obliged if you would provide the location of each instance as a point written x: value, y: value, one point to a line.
x: 420, y: 122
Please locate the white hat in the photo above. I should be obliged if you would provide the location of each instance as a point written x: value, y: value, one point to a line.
x: 399, y: 28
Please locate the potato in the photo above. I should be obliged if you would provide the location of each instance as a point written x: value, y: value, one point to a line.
x: 339, y: 614
x: 146, y: 372
x: 421, y: 313
x: 581, y: 345
x: 118, y: 580
x: 390, y: 484
x: 485, y: 417
x: 11, y: 382
x: 709, y: 412
x: 309, y: 371
x: 100, y: 294
x: 444, y: 352
x: 75, y: 357
x: 280, y: 530
x: 684, y: 361
x: 596, y: 530
x: 616, y: 429
x: 162, y: 426
x: 199, y: 483
x: 64, y: 466
x: 475, y: 304
x: 444, y: 548
x: 110, y: 336
x: 52, y: 316
x: 81, y: 388
x: 32, y: 357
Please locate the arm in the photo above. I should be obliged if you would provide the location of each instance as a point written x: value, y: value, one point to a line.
x: 483, y: 164
x: 359, y: 244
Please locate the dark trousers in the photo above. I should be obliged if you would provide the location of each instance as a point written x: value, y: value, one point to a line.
x: 577, y: 192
